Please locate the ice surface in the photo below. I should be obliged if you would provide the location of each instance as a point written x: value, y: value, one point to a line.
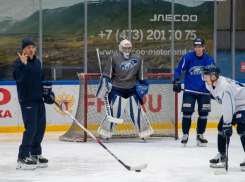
x: 88, y: 162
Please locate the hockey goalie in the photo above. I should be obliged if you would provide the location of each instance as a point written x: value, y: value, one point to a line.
x: 124, y: 84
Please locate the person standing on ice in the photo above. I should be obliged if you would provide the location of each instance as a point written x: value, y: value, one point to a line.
x: 231, y: 95
x: 191, y: 64
x: 33, y: 92
x: 125, y: 81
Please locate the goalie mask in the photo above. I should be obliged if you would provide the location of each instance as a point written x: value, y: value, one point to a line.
x: 125, y: 47
x: 209, y: 71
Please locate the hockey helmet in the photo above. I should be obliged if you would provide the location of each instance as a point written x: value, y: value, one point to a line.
x: 125, y: 43
x: 210, y: 70
x: 199, y: 42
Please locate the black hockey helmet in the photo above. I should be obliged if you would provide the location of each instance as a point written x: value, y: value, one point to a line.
x: 199, y: 42
x: 211, y: 69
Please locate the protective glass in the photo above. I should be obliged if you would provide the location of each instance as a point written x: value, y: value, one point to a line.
x: 206, y: 77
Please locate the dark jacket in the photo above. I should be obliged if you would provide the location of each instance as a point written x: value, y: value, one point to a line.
x: 29, y: 79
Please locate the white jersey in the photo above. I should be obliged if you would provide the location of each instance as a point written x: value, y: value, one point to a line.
x: 230, y: 94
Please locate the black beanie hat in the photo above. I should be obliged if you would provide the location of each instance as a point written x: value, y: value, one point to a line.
x: 26, y: 42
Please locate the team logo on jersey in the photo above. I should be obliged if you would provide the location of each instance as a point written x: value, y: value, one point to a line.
x: 66, y: 101
x: 126, y: 65
x: 195, y: 70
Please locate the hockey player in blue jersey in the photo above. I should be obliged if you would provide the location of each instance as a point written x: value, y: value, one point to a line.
x: 191, y: 64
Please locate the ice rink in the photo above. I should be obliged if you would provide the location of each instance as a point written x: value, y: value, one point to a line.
x: 166, y: 158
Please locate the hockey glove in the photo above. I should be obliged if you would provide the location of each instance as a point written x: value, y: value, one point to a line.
x: 227, y: 130
x: 47, y: 88
x: 104, y: 88
x: 211, y: 97
x: 177, y: 85
x: 49, y: 100
x: 142, y: 88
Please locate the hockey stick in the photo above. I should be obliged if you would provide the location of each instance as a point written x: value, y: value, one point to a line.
x: 107, y: 105
x: 135, y: 168
x: 202, y: 93
x: 227, y: 146
x: 224, y: 171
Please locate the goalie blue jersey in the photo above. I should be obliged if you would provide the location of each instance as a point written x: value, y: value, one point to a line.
x: 192, y: 64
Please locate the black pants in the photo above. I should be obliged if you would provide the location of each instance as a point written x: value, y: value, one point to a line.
x: 222, y: 141
x: 188, y: 107
x: 34, y: 118
x: 125, y: 93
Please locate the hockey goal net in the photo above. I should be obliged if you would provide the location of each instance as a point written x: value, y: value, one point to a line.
x: 161, y: 108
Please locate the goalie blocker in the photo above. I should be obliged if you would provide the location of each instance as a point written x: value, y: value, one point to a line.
x: 137, y: 116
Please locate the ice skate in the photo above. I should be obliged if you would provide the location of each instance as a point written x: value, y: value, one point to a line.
x: 26, y: 163
x: 201, y: 141
x: 184, y: 139
x: 218, y: 161
x: 242, y: 165
x: 40, y: 160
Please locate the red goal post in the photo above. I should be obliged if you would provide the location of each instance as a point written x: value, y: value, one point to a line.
x: 161, y: 108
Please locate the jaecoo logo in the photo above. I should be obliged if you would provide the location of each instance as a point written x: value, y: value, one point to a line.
x: 169, y: 17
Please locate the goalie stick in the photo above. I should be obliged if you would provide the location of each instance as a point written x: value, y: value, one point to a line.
x: 224, y: 171
x: 107, y: 105
x: 135, y: 168
x: 202, y: 93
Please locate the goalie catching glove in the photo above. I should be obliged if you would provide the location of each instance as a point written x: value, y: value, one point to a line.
x: 47, y: 91
x: 104, y: 88
x: 142, y: 88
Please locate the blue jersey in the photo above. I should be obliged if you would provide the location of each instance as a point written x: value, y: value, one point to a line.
x: 191, y: 64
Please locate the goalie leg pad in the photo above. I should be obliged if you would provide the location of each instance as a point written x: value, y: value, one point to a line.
x: 106, y: 128
x: 104, y: 88
x: 138, y: 118
x: 118, y: 105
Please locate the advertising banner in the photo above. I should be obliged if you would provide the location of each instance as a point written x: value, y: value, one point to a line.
x: 242, y: 67
x: 10, y: 112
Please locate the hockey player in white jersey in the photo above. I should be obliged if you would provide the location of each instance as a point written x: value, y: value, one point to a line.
x: 231, y: 95
x: 123, y: 76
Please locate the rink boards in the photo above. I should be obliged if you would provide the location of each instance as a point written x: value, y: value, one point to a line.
x: 11, y: 119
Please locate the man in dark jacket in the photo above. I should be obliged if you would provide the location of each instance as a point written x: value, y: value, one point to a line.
x: 28, y: 74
